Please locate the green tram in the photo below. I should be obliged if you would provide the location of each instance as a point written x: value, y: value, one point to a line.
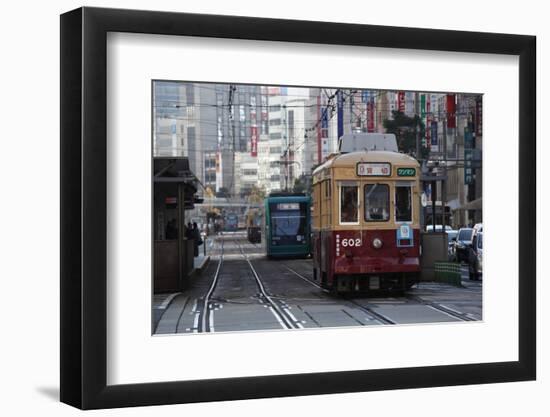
x: 287, y: 225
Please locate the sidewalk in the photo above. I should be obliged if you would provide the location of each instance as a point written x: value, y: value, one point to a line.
x: 199, y: 263
x: 162, y: 301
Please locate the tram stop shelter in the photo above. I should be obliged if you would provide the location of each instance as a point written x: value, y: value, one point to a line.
x: 174, y: 189
x: 435, y: 243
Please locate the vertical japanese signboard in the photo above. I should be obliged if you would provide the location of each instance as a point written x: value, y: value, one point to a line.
x: 423, y: 105
x: 253, y: 127
x: 428, y: 125
x: 263, y: 111
x: 468, y: 171
x: 479, y: 117
x: 340, y: 111
x: 401, y: 101
x: 433, y: 129
x: 468, y: 154
x: 319, y: 133
x: 370, y: 115
x: 324, y: 132
x: 219, y: 179
x: 451, y: 111
x: 253, y: 141
x: 423, y: 118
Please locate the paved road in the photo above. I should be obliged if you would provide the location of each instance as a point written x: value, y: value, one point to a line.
x: 242, y: 290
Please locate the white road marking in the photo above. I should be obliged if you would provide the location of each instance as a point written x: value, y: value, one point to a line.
x: 196, y: 321
x: 209, y: 294
x: 443, y: 312
x: 450, y: 309
x: 277, y: 317
x: 212, y: 321
x: 294, y: 318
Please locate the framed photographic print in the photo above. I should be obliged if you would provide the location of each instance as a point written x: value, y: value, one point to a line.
x: 257, y: 208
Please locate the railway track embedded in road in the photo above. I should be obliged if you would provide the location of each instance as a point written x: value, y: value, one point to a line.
x: 281, y: 313
x: 442, y: 308
x: 377, y: 316
x: 284, y: 316
x: 436, y: 306
x: 206, y: 313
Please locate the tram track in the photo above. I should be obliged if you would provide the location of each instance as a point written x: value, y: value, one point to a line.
x: 441, y: 308
x: 282, y: 313
x: 436, y: 306
x: 277, y: 306
x: 370, y: 311
x: 205, y: 314
x: 418, y: 300
x: 204, y: 322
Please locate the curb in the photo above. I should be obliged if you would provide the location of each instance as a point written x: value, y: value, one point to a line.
x: 202, y: 267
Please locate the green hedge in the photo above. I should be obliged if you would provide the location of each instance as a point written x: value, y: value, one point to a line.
x: 448, y: 272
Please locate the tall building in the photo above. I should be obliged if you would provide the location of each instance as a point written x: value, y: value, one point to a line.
x: 169, y: 119
x: 294, y: 157
x: 238, y: 123
x: 322, y: 130
x: 183, y: 114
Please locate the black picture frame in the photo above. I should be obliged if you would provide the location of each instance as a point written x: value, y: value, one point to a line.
x: 84, y: 205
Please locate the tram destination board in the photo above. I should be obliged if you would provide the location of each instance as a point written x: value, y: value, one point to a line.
x: 373, y: 169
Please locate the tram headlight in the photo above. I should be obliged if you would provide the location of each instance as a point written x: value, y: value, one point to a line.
x: 377, y: 243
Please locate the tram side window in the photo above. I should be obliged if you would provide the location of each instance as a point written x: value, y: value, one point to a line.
x: 348, y: 204
x: 377, y: 203
x: 403, y: 206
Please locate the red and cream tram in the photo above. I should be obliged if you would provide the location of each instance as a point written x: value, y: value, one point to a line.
x: 366, y: 233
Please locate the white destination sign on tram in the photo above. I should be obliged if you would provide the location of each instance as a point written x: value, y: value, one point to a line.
x: 373, y: 169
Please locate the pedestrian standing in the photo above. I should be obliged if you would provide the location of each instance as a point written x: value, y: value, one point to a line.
x: 196, y: 238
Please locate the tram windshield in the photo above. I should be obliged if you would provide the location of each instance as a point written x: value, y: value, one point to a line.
x: 403, y: 206
x: 348, y: 204
x: 377, y: 203
x: 288, y: 221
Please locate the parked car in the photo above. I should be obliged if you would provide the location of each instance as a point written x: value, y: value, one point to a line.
x: 475, y: 256
x: 462, y: 244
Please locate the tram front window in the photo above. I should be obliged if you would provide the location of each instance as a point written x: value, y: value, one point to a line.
x: 348, y: 204
x: 377, y: 203
x: 403, y: 206
x: 288, y: 222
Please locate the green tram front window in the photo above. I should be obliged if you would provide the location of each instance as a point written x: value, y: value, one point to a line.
x: 288, y: 223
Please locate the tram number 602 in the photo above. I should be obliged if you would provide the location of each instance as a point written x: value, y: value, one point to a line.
x: 351, y: 242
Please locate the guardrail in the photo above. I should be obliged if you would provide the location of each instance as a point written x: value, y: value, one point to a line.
x: 448, y: 272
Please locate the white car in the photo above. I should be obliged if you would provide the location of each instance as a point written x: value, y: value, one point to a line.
x: 475, y: 256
